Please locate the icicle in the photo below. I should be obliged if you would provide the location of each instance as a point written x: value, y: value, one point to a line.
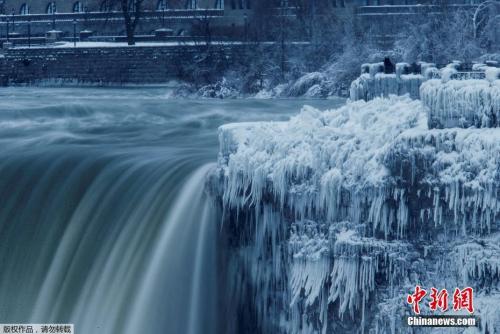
x: 462, y: 103
x: 324, y: 201
x: 368, y: 87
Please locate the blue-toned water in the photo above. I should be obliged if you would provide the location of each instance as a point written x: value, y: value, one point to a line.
x: 103, y: 218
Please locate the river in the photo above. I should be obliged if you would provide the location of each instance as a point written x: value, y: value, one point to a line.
x: 103, y: 218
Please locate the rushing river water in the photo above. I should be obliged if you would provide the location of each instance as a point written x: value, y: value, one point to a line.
x: 103, y: 219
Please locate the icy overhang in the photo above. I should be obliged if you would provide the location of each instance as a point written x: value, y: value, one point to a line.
x: 364, y: 161
x: 462, y: 103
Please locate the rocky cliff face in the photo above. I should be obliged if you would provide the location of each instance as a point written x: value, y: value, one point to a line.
x: 333, y: 217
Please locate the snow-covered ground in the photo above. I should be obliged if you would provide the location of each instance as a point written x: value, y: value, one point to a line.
x: 90, y: 44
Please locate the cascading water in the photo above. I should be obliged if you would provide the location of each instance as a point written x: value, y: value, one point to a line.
x: 190, y: 234
x: 103, y: 218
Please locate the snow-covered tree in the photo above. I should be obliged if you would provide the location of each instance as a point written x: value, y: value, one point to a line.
x: 440, y: 39
x: 486, y: 11
x: 486, y: 22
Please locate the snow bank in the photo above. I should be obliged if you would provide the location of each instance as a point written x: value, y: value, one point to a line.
x: 492, y: 73
x: 310, y: 85
x: 462, y: 103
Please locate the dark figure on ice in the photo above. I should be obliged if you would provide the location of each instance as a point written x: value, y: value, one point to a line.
x: 415, y: 68
x: 388, y: 66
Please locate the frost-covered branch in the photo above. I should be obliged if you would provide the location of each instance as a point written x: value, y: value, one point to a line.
x: 478, y: 19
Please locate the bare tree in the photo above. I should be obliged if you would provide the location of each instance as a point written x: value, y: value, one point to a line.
x: 202, y: 26
x: 487, y: 10
x: 440, y: 39
x: 132, y: 10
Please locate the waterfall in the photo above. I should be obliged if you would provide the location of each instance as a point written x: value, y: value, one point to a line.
x: 104, y: 221
x: 185, y: 252
x: 107, y: 237
x: 114, y: 246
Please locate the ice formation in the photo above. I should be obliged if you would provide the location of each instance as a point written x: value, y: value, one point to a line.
x: 479, y: 260
x: 336, y: 215
x: 373, y: 82
x: 462, y: 103
x: 366, y: 87
x: 305, y: 83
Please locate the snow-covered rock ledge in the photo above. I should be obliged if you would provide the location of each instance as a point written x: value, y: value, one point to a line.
x: 463, y: 103
x: 367, y: 87
x: 384, y: 79
x: 376, y: 80
x: 334, y: 216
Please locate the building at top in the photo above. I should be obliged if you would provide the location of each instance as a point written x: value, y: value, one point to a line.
x: 227, y: 18
x: 103, y: 16
x: 24, y: 7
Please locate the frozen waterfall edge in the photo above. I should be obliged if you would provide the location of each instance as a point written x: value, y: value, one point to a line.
x: 333, y: 216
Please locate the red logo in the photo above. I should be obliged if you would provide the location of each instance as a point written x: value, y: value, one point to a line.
x: 462, y: 299
x: 415, y: 298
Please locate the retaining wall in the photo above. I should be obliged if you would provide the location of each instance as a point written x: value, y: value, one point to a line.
x: 106, y: 65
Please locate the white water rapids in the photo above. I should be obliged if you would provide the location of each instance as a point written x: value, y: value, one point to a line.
x: 103, y: 218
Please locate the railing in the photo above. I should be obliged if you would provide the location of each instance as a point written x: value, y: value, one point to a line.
x: 409, y: 9
x: 25, y: 41
x: 467, y: 75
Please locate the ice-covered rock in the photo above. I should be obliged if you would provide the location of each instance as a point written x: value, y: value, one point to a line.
x: 357, y: 261
x: 309, y: 247
x: 402, y: 68
x: 478, y: 262
x: 314, y: 163
x: 307, y: 162
x: 492, y: 73
x: 373, y: 82
x: 304, y: 84
x: 462, y: 103
x: 221, y: 90
x: 336, y: 215
x: 367, y: 87
x: 452, y: 174
x: 449, y: 70
x: 315, y: 91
